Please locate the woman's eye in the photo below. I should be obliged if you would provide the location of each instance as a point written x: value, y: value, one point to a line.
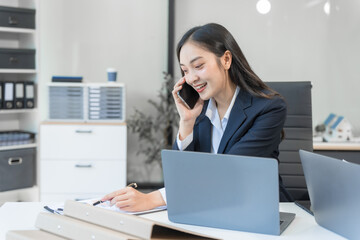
x: 199, y: 66
x: 185, y: 71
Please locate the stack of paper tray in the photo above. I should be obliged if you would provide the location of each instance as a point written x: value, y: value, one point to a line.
x: 87, y: 102
x: 105, y: 102
x: 84, y: 221
x: 10, y: 138
x: 66, y: 102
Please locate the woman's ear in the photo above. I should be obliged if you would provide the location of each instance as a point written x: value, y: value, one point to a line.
x: 226, y: 59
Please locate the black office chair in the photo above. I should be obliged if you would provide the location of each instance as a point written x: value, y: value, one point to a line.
x: 298, y: 135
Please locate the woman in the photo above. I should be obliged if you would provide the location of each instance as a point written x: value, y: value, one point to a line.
x: 242, y: 115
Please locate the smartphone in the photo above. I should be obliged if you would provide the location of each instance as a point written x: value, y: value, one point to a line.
x: 188, y: 95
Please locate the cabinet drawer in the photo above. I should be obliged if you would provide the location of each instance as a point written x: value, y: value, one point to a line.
x: 17, y: 169
x: 74, y: 177
x: 17, y: 17
x: 82, y: 142
x: 17, y: 58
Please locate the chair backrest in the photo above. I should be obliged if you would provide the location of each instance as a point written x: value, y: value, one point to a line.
x: 298, y: 135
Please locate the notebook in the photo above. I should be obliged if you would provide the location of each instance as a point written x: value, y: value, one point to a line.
x: 333, y: 187
x: 224, y: 191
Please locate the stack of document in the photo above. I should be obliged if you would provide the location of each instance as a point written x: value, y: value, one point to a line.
x: 84, y: 221
x: 9, y: 138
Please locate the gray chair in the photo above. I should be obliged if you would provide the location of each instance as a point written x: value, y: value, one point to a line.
x: 298, y: 135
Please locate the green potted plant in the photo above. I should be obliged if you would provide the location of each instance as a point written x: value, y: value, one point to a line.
x: 155, y: 132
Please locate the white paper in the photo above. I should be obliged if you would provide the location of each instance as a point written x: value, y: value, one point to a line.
x: 106, y: 205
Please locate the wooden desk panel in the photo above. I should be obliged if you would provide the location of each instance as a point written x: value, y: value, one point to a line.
x: 351, y: 146
x: 348, y: 151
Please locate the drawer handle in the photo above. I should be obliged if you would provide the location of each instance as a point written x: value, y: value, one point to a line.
x: 83, y: 165
x: 83, y: 131
x: 15, y: 161
x: 13, y: 20
x: 13, y: 60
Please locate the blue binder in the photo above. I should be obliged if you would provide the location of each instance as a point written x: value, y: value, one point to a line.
x: 1, y: 94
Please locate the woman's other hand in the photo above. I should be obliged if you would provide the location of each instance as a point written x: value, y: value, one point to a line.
x: 131, y: 200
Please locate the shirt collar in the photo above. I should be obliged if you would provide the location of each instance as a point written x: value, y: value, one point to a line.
x: 227, y: 114
x: 211, y: 110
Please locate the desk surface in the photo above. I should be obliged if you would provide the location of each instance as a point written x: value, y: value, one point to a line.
x: 22, y: 216
x: 340, y: 146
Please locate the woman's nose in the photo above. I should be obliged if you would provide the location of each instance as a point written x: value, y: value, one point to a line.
x: 192, y: 77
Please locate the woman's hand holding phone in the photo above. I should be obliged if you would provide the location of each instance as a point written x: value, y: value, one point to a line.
x: 187, y: 116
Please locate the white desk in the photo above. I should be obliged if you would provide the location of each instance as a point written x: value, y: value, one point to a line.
x: 21, y: 216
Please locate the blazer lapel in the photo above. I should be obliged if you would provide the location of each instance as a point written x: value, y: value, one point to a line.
x: 236, y: 118
x: 204, y: 130
x: 205, y: 135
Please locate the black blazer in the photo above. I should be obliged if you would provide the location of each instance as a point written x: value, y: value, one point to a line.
x: 253, y: 129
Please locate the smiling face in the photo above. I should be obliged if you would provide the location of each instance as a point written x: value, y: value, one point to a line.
x: 206, y: 72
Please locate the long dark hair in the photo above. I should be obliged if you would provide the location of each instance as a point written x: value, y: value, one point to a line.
x: 217, y: 39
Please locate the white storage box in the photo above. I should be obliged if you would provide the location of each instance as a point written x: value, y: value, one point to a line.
x: 87, y: 102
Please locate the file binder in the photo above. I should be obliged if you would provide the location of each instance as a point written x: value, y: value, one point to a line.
x: 31, y: 235
x: 69, y: 79
x: 129, y: 224
x: 1, y: 94
x: 8, y: 95
x: 19, y: 95
x: 72, y: 228
x: 29, y: 95
x: 84, y: 221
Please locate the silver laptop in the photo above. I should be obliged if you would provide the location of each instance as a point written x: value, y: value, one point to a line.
x: 334, y: 190
x: 223, y: 191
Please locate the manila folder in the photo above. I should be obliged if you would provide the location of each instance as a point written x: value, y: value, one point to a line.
x: 31, y: 235
x: 71, y: 228
x: 129, y: 224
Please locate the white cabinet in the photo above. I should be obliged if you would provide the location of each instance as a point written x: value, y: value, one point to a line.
x: 79, y: 161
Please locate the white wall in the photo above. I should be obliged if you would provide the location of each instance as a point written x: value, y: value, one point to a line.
x: 84, y: 37
x: 296, y: 41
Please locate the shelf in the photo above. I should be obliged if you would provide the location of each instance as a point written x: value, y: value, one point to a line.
x: 7, y: 111
x: 2, y: 70
x: 24, y: 194
x: 15, y: 39
x: 22, y: 146
x: 16, y: 30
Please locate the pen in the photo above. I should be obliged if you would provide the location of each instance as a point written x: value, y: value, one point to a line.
x: 98, y: 202
x: 133, y: 185
x: 53, y: 211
